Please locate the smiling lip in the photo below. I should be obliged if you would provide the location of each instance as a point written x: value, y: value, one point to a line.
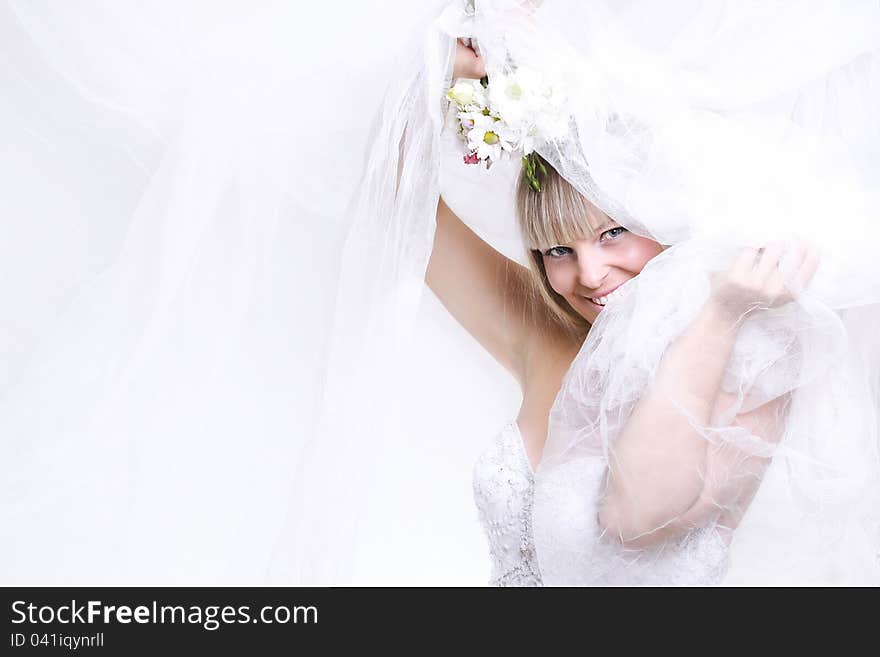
x: 599, y: 296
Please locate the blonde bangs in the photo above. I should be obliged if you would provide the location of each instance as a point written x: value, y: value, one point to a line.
x: 558, y: 214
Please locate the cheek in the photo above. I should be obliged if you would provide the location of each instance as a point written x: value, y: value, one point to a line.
x: 559, y: 279
x: 642, y: 250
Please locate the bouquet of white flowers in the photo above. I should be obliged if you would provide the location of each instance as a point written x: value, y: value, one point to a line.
x: 513, y: 113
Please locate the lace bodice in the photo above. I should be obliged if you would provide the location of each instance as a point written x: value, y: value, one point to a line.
x: 504, y: 491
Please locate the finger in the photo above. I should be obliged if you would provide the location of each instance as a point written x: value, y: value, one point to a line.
x: 768, y: 263
x: 807, y: 270
x: 745, y: 261
x: 468, y: 64
x: 792, y: 259
x: 775, y: 289
x: 478, y: 64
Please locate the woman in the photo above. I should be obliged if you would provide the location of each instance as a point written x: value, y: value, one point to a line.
x: 533, y: 324
x: 172, y: 337
x: 700, y: 374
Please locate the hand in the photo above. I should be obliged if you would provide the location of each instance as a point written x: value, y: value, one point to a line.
x: 764, y: 278
x: 468, y: 64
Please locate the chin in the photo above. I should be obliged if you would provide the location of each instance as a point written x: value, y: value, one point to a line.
x: 583, y: 309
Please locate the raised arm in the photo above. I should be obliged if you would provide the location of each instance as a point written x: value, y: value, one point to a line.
x: 664, y: 476
x: 485, y: 291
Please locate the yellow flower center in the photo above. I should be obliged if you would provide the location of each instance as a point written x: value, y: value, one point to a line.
x: 490, y: 138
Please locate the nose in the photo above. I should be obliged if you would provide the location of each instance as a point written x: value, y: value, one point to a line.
x: 592, y: 268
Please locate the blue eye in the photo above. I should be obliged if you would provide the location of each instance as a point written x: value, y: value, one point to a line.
x: 612, y: 233
x: 557, y: 251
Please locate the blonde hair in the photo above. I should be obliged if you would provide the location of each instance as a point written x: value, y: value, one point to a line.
x: 558, y: 214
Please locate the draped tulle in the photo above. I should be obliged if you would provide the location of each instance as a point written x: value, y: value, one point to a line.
x: 220, y: 365
x: 713, y: 128
x: 176, y: 190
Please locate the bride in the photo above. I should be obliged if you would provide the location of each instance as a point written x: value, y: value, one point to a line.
x: 681, y: 355
x: 693, y: 399
x: 581, y: 260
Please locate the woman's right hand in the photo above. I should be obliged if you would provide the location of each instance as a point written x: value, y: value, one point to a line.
x: 468, y: 64
x: 764, y: 278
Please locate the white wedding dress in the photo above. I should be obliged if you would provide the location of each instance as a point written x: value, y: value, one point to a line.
x: 504, y: 492
x: 189, y: 397
x: 504, y: 489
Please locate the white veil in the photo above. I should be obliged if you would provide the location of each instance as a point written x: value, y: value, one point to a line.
x: 176, y: 185
x: 178, y: 188
x: 710, y: 128
x: 713, y: 127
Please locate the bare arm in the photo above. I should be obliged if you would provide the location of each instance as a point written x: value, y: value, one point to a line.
x: 486, y: 292
x: 656, y: 485
x: 656, y: 465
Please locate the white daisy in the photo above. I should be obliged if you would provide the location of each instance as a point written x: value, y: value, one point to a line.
x: 489, y: 138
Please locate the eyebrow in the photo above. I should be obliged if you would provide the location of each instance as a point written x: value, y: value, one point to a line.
x: 605, y: 225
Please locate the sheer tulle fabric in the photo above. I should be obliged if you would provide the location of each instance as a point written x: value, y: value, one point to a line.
x: 198, y: 331
x: 177, y: 182
x: 712, y: 128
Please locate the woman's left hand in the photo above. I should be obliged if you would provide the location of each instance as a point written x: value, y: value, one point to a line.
x: 764, y: 278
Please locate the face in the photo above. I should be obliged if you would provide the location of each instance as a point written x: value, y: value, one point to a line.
x: 588, y: 271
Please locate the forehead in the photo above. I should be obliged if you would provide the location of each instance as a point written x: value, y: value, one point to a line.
x: 558, y: 215
x: 563, y: 229
x: 601, y: 223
